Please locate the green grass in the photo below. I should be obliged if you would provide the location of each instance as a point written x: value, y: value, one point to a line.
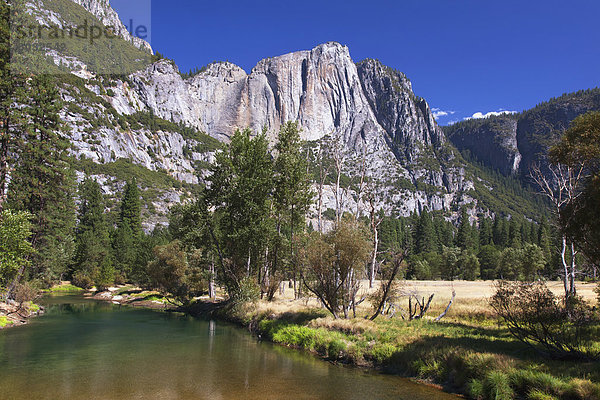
x: 481, y: 361
x: 32, y: 307
x: 4, y: 321
x: 68, y: 288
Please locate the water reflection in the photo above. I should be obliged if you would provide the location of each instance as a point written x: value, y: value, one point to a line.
x: 87, y: 350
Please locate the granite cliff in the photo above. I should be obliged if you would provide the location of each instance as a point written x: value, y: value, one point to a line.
x: 170, y: 124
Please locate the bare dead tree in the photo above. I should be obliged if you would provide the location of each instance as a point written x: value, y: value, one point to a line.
x: 375, y: 221
x: 561, y: 187
x: 323, y: 173
x: 421, y: 306
x: 443, y: 314
x: 339, y: 158
x: 361, y: 184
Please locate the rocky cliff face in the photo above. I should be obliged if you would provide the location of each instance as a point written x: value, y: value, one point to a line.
x: 371, y: 108
x: 512, y: 143
x: 102, y: 10
x: 493, y: 140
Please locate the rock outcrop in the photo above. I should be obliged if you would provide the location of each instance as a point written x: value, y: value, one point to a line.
x: 512, y: 143
x: 102, y: 10
x: 492, y: 140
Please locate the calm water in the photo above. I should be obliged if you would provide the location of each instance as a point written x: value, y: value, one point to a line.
x: 82, y: 349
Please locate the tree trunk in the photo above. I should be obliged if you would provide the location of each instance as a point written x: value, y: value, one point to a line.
x: 572, y: 275
x: 374, y: 256
x: 563, y: 256
x: 211, y: 281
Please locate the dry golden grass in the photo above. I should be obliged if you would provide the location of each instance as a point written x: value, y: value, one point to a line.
x: 349, y: 326
x: 470, y: 303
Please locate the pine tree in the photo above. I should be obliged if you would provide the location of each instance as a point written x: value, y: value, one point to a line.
x: 425, y: 239
x: 42, y: 181
x: 129, y: 230
x: 485, y: 232
x: 131, y: 208
x: 11, y: 92
x: 93, y: 263
x: 514, y: 234
x: 464, y: 236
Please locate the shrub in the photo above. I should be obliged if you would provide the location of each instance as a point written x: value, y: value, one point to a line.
x: 562, y: 330
x: 83, y: 280
x: 248, y: 291
x: 24, y: 292
x: 336, y: 349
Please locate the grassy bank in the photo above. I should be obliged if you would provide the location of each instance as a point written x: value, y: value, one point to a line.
x: 467, y: 352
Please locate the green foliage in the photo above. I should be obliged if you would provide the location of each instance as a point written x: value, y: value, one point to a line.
x: 491, y: 250
x: 580, y: 146
x: 292, y: 195
x: 129, y: 230
x: 42, y: 182
x: 93, y: 258
x: 15, y: 231
x: 170, y: 273
x: 125, y: 170
x: 68, y: 288
x: 333, y: 262
x: 147, y: 119
x: 240, y: 188
x: 4, y: 321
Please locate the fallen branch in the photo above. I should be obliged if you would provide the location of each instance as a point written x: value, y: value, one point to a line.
x: 447, y: 307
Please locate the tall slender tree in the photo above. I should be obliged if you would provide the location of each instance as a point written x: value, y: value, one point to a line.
x: 129, y: 230
x: 292, y: 194
x: 42, y: 181
x: 93, y: 262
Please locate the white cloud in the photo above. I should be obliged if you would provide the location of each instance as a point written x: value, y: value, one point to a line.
x: 437, y: 113
x: 479, y: 115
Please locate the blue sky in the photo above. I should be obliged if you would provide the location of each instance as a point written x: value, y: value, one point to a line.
x: 463, y: 57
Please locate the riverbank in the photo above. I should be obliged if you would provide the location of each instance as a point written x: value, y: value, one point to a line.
x: 13, y: 314
x: 467, y: 352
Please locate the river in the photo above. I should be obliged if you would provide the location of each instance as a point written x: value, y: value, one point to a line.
x: 84, y: 349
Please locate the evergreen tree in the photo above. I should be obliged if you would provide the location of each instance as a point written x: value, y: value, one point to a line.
x: 468, y: 265
x: 42, y: 182
x: 514, y: 234
x: 129, y: 230
x: 488, y: 261
x: 485, y: 232
x: 464, y: 236
x: 425, y: 238
x: 131, y: 208
x: 93, y: 263
x: 11, y: 92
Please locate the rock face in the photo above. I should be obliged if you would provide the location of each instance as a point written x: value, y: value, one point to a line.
x: 370, y: 107
x: 102, y: 10
x: 512, y: 143
x: 493, y: 140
